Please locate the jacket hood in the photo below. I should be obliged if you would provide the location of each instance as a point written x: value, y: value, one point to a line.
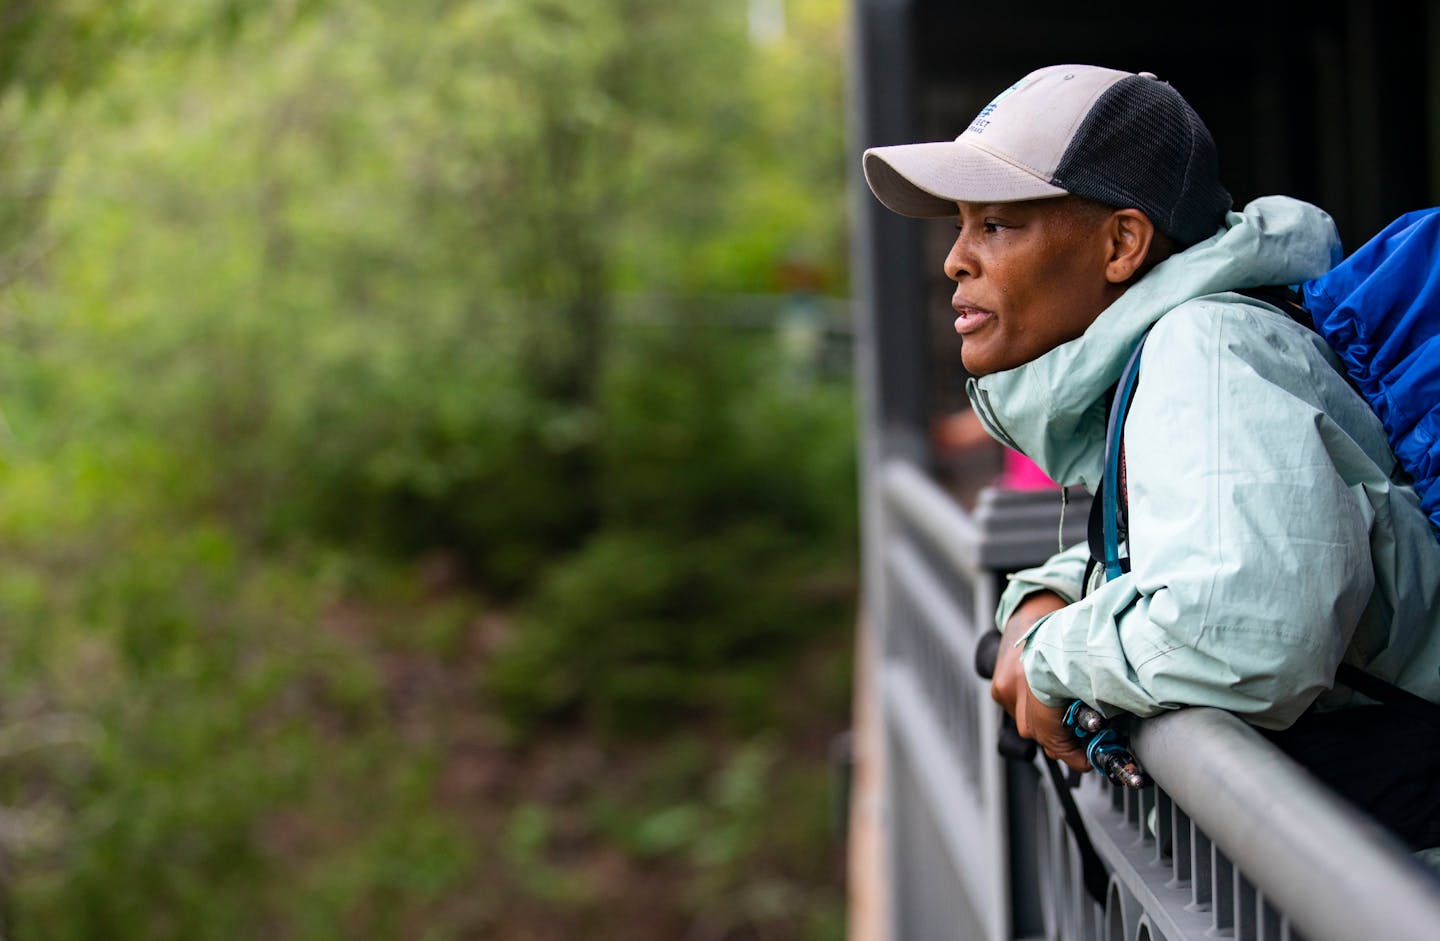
x: 1053, y: 408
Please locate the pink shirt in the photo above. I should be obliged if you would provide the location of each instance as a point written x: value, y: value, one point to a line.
x: 1020, y: 473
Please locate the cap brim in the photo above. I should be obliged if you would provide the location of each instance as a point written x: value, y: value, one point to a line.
x: 927, y: 180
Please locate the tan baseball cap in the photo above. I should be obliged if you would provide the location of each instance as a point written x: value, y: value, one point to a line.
x: 1121, y: 138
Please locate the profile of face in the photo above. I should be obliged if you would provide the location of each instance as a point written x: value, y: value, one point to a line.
x: 1032, y: 275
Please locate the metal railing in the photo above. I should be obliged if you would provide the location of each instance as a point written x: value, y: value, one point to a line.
x: 1234, y: 840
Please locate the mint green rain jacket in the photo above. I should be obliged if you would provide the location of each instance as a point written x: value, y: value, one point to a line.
x: 1267, y: 538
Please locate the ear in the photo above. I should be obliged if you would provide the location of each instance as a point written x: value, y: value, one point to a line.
x: 1129, y: 234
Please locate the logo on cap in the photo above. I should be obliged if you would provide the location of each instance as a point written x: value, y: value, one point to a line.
x: 982, y: 120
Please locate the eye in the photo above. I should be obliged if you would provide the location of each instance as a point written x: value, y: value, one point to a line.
x: 989, y: 227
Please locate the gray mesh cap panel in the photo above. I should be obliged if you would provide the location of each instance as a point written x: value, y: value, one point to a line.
x: 1142, y: 146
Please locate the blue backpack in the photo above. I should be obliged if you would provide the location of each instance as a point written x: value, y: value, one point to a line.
x: 1379, y: 310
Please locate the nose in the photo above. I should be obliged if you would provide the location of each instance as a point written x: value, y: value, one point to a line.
x: 961, y: 260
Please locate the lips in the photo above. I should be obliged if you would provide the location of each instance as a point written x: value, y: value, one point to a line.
x: 969, y: 318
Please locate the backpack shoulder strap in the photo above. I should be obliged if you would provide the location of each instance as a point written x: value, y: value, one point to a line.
x: 1110, y: 508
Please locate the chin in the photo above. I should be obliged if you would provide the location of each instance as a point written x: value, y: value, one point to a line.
x: 978, y: 365
x: 984, y: 361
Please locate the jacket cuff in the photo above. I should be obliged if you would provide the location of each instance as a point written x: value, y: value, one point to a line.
x: 1044, y: 684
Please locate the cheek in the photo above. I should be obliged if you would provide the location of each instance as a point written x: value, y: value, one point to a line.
x: 1071, y: 290
x: 1045, y: 308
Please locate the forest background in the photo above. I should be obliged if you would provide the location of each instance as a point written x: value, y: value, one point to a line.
x: 427, y: 471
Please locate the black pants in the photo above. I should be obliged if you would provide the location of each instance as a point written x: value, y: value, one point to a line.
x: 1382, y: 759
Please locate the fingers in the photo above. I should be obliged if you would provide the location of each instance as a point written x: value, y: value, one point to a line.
x: 1002, y: 688
x: 1046, y: 727
x: 1009, y: 678
x: 1075, y: 760
x: 1042, y: 724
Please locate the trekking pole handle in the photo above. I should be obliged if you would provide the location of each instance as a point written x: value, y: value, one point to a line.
x: 987, y: 651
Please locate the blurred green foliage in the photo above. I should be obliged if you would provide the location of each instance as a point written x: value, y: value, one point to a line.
x: 370, y: 393
x: 692, y: 594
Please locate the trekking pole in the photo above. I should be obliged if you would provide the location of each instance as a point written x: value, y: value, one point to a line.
x: 1105, y: 747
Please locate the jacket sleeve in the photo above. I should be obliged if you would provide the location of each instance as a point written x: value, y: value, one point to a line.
x: 1063, y: 575
x: 1249, y: 549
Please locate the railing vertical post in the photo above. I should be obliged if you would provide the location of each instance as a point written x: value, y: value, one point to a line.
x: 890, y: 347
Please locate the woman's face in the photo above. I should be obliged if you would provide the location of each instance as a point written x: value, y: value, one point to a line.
x: 1028, y: 277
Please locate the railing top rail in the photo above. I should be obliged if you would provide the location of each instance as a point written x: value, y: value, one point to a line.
x: 933, y: 512
x: 1334, y: 872
x: 1008, y: 529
